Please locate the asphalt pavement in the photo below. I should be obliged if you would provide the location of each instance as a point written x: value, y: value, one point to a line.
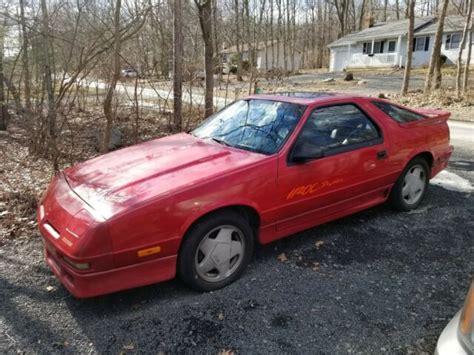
x: 376, y: 282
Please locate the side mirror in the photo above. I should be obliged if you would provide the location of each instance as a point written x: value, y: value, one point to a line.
x: 303, y: 152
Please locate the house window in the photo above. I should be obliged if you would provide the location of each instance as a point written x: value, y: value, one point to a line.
x: 421, y: 44
x: 452, y: 41
x: 367, y: 49
x: 391, y: 46
x: 378, y: 47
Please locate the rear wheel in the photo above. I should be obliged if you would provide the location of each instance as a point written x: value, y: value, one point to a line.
x: 216, y: 251
x: 411, y: 186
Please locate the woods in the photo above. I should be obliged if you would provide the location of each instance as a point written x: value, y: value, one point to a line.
x: 60, y: 60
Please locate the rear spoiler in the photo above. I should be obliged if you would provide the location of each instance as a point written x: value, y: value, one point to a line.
x: 433, y: 113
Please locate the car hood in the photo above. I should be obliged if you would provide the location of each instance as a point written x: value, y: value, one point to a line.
x: 115, y: 181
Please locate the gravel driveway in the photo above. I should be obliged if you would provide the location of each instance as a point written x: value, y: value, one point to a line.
x: 387, y: 83
x: 378, y: 281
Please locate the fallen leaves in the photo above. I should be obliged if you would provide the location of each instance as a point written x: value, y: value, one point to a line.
x: 319, y: 243
x: 128, y: 346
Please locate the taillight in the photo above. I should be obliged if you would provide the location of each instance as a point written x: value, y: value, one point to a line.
x: 466, y: 322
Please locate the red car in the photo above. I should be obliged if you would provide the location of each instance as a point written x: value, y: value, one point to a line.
x: 195, y: 204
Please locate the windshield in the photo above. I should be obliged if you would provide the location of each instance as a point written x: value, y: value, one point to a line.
x: 260, y: 126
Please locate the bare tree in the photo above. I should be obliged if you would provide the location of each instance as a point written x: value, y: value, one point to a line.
x: 205, y: 20
x: 411, y: 28
x: 108, y: 111
x: 177, y: 64
x: 465, y: 35
x: 468, y: 61
x: 342, y: 7
x: 25, y: 57
x: 237, y: 40
x: 362, y: 14
x: 48, y: 83
x: 4, y: 116
x: 432, y: 76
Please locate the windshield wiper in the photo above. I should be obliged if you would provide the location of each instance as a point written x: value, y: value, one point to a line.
x: 221, y: 141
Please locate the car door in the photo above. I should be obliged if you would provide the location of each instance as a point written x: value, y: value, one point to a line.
x: 346, y: 173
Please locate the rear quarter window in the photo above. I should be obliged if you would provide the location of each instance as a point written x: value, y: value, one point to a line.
x: 398, y: 114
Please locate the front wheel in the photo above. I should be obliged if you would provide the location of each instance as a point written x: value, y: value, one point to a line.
x: 411, y: 186
x: 216, y: 251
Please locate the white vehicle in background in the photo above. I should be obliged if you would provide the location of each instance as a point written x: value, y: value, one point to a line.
x: 129, y: 73
x: 457, y: 337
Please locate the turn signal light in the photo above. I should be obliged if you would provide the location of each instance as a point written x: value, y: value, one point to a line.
x: 79, y: 266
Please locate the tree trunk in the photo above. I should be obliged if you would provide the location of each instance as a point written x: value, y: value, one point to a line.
x: 48, y: 84
x: 108, y: 112
x: 411, y: 27
x: 321, y: 39
x: 433, y: 77
x: 467, y: 26
x: 217, y: 57
x: 25, y: 58
x: 468, y: 62
x: 4, y: 116
x: 177, y: 64
x: 286, y: 36
x: 237, y: 41
x: 341, y: 12
x: 205, y: 20
x: 362, y: 14
x: 272, y: 37
x: 246, y: 24
x: 278, y: 40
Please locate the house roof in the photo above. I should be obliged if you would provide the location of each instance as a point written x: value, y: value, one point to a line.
x: 451, y: 24
x: 382, y: 30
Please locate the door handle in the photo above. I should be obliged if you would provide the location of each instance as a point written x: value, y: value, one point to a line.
x: 382, y: 154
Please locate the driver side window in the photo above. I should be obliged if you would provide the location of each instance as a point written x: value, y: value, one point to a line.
x: 338, y: 126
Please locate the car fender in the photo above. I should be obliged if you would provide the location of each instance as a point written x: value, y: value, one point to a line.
x: 216, y: 206
x: 418, y: 151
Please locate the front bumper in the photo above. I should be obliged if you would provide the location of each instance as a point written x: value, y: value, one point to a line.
x: 84, y: 285
x: 449, y: 342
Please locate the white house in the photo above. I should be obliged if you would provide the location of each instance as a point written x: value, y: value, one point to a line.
x: 268, y: 55
x: 385, y: 44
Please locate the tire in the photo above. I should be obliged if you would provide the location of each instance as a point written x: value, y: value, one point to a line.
x: 210, y: 257
x: 410, y: 189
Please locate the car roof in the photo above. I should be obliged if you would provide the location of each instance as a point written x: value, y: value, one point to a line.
x: 306, y: 98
